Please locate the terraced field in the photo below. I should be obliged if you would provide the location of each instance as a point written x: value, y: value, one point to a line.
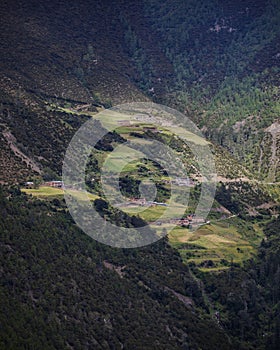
x: 216, y: 245
x: 45, y: 192
x: 213, y: 246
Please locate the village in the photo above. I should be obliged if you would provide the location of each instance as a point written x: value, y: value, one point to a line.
x: 53, y: 183
x: 188, y: 221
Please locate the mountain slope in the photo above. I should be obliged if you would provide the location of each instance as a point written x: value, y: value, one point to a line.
x: 61, y: 289
x: 218, y: 62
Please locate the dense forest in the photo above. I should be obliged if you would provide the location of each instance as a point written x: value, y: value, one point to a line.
x: 59, y: 289
x: 248, y: 298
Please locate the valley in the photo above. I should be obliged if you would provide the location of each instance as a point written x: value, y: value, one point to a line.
x: 211, y: 245
x: 210, y: 279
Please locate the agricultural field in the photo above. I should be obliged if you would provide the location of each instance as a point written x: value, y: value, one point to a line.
x: 211, y: 247
x: 45, y: 192
x: 216, y: 245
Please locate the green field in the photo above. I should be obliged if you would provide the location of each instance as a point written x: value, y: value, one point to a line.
x: 113, y: 119
x: 219, y: 243
x: 148, y: 214
x: 211, y: 247
x: 155, y: 212
x: 46, y: 192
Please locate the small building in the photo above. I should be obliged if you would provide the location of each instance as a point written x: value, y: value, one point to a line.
x: 183, y: 182
x: 138, y: 201
x: 57, y: 184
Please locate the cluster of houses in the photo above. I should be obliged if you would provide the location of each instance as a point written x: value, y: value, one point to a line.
x: 181, y: 181
x: 187, y: 221
x: 190, y: 220
x: 57, y: 184
x: 54, y: 183
x: 184, y: 221
x: 143, y: 202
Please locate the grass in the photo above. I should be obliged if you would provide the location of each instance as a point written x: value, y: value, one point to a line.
x: 116, y: 161
x: 149, y: 214
x: 216, y: 242
x: 219, y: 242
x: 274, y: 191
x: 124, y: 130
x: 112, y: 119
x: 82, y: 195
x: 45, y: 192
x: 155, y: 212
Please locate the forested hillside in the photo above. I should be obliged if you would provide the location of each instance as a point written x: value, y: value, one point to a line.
x: 249, y: 298
x: 60, y: 289
x: 225, y: 57
x: 217, y: 287
x: 218, y: 61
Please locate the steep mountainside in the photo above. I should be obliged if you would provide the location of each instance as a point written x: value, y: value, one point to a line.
x: 62, y: 290
x: 225, y: 57
x: 216, y: 60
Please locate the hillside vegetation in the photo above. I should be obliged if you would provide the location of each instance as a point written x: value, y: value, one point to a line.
x: 217, y: 61
x: 61, y: 289
x: 217, y: 287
